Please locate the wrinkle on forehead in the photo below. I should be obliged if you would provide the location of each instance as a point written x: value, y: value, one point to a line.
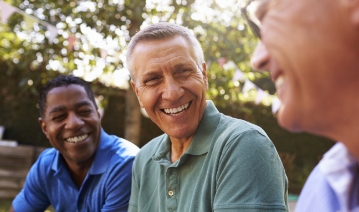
x: 157, y: 55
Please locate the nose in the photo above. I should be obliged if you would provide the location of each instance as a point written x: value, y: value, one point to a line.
x: 260, y: 58
x: 172, y: 89
x: 73, y: 121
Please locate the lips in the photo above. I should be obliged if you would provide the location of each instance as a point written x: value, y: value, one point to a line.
x: 77, y: 139
x: 177, y: 110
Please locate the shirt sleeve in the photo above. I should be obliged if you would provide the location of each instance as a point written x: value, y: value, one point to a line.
x: 250, y: 176
x: 134, y: 192
x: 32, y: 197
x: 119, y: 187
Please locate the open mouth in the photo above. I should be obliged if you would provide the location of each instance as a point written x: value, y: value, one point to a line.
x: 279, y: 81
x: 177, y: 110
x: 77, y: 139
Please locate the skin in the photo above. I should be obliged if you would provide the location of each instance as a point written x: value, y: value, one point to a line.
x: 69, y: 113
x: 314, y: 60
x: 166, y: 75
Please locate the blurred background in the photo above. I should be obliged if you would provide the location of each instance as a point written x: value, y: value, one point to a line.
x: 42, y: 39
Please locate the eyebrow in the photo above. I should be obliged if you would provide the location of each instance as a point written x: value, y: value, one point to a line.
x: 62, y: 108
x: 181, y: 65
x: 151, y: 73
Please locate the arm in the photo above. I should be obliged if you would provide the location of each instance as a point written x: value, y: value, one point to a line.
x: 119, y: 188
x: 134, y: 192
x: 250, y: 176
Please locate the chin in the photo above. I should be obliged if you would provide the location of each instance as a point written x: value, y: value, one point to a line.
x: 289, y: 121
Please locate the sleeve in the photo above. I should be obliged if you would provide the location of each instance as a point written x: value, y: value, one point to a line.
x: 134, y: 191
x: 119, y: 187
x: 33, y: 196
x: 250, y: 176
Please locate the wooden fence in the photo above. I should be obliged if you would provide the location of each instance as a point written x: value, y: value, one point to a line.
x: 15, y: 162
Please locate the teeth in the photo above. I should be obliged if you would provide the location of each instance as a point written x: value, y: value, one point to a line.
x: 279, y: 81
x: 176, y: 110
x: 77, y: 138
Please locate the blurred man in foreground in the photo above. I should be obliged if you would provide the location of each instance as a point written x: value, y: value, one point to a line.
x: 87, y: 170
x: 205, y: 161
x: 311, y: 49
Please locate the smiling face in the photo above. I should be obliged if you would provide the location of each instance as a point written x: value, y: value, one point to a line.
x: 71, y: 123
x: 309, y: 49
x: 169, y: 85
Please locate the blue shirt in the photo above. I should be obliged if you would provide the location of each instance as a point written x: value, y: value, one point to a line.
x: 230, y: 165
x: 107, y: 186
x: 333, y: 185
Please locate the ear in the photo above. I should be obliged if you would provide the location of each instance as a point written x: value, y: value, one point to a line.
x: 204, y: 72
x: 43, y: 126
x: 133, y: 85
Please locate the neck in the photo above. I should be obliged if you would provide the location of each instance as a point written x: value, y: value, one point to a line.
x: 178, y: 147
x: 78, y: 171
x: 343, y: 124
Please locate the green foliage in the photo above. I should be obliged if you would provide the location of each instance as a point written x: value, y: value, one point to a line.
x: 27, y: 61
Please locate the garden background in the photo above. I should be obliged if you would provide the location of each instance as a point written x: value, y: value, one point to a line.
x: 41, y: 39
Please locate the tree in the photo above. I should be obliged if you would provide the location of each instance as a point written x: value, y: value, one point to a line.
x: 93, y: 35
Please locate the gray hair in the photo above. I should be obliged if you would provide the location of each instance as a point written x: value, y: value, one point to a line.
x: 160, y: 31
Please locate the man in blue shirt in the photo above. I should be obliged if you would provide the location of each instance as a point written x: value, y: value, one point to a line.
x: 87, y: 170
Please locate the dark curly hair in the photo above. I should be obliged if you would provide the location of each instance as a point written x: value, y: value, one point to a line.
x: 59, y: 81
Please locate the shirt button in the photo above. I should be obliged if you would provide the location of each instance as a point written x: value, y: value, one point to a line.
x: 170, y: 193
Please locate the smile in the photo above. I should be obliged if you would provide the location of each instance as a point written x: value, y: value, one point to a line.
x: 77, y: 139
x: 176, y: 111
x: 279, y: 81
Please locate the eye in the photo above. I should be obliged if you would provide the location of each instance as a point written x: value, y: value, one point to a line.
x: 184, y: 72
x: 152, y: 81
x: 58, y: 118
x: 85, y: 111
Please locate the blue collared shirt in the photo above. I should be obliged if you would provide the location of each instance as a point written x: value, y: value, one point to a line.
x: 107, y: 186
x: 333, y: 185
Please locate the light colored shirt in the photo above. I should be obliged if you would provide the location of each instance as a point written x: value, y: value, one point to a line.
x: 333, y: 185
x: 105, y: 188
x: 230, y: 165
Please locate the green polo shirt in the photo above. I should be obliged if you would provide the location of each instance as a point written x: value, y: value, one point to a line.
x: 230, y: 165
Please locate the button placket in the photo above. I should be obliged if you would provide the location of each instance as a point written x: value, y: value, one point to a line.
x: 171, y: 188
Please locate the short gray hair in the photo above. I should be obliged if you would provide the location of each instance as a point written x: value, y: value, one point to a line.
x: 160, y: 31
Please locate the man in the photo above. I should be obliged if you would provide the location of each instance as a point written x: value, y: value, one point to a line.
x: 205, y: 161
x: 311, y: 49
x: 87, y: 170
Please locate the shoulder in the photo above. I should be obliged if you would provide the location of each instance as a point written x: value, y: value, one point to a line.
x: 42, y: 168
x: 150, y: 149
x: 232, y: 130
x: 46, y: 158
x: 239, y: 126
x: 118, y: 147
x: 153, y: 144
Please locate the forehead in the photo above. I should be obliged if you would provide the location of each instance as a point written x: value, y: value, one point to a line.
x: 169, y: 51
x: 65, y: 95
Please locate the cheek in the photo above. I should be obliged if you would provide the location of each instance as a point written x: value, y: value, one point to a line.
x: 147, y: 98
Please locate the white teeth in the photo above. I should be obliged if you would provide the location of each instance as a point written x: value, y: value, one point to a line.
x: 77, y: 138
x: 176, y: 110
x: 279, y: 81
